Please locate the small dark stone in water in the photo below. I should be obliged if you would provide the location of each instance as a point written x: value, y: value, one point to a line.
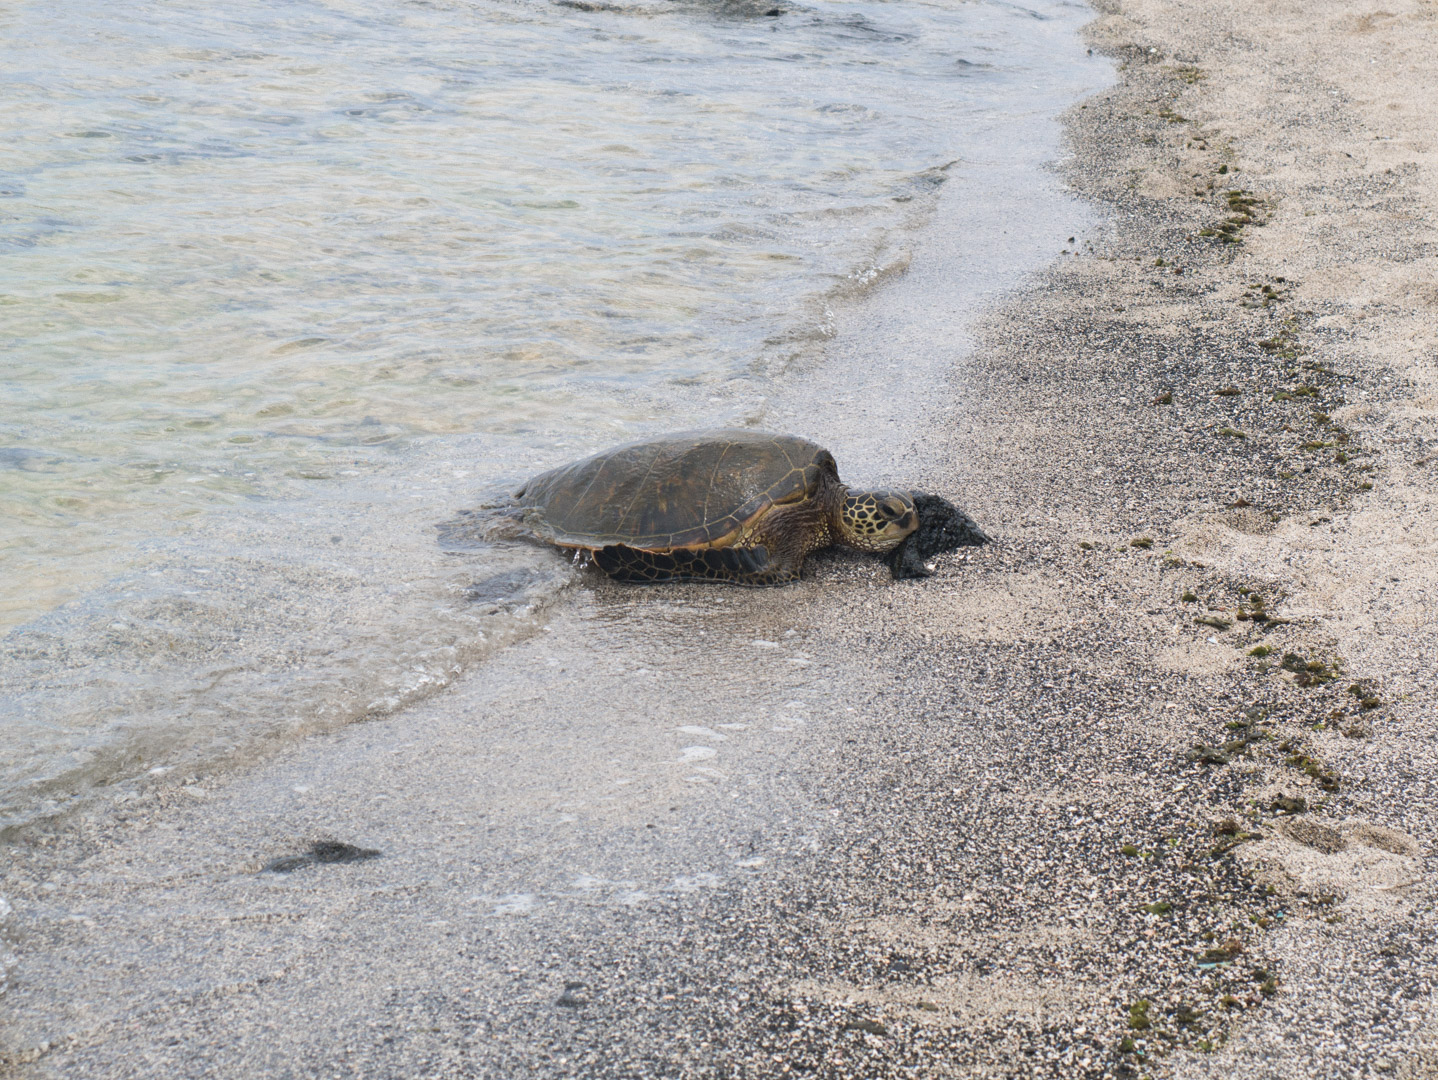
x: 942, y: 527
x: 321, y: 851
x: 332, y: 851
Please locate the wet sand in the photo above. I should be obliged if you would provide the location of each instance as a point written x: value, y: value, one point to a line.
x: 1036, y: 816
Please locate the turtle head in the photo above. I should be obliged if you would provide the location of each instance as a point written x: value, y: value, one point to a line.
x: 876, y: 520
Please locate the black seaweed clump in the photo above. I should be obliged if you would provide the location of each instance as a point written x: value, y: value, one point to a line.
x: 942, y: 527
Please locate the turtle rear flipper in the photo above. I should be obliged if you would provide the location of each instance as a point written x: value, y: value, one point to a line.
x: 738, y: 566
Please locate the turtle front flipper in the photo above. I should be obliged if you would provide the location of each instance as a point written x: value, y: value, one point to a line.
x: 736, y: 566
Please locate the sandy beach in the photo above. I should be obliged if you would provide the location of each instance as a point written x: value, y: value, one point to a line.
x: 1145, y: 788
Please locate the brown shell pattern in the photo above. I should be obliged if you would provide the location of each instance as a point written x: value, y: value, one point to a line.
x: 692, y: 489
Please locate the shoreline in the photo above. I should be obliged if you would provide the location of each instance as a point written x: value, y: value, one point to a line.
x: 908, y: 843
x: 293, y: 616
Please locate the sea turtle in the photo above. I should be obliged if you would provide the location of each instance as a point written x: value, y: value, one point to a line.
x: 731, y: 505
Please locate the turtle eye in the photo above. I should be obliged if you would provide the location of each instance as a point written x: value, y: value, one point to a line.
x: 891, y: 509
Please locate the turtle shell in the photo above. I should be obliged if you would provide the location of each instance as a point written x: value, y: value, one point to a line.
x: 693, y: 489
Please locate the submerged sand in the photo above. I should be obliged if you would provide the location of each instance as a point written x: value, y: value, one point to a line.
x: 1036, y: 816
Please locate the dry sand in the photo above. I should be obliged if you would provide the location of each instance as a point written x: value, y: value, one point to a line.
x: 949, y: 828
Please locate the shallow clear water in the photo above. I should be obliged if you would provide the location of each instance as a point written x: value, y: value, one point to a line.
x: 283, y: 285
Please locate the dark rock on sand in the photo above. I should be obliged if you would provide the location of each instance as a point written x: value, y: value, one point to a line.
x: 942, y: 527
x: 321, y: 851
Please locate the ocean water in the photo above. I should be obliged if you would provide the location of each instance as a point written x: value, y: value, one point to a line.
x: 284, y: 286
